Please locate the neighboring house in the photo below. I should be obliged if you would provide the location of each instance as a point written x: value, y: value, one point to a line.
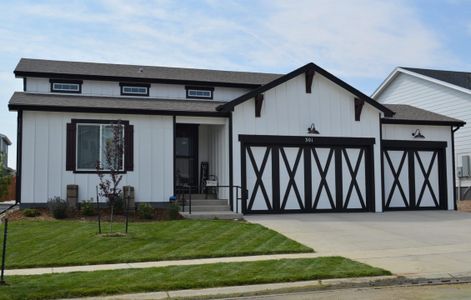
x: 4, y: 143
x: 444, y: 92
x: 301, y: 142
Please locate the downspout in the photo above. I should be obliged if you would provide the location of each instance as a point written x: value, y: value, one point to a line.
x: 456, y: 199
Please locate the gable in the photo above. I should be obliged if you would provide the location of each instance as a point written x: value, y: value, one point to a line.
x: 288, y: 110
x: 308, y: 71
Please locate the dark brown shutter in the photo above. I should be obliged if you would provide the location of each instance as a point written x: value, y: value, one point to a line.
x: 70, y: 147
x: 129, y: 148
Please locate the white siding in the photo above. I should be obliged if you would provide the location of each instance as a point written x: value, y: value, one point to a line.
x: 289, y: 110
x: 431, y: 133
x: 43, y: 166
x: 157, y: 90
x: 408, y: 89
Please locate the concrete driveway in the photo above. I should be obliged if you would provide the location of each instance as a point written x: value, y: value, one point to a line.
x: 422, y: 243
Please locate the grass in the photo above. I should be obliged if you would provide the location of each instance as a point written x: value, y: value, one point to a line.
x: 62, y: 243
x: 100, y: 283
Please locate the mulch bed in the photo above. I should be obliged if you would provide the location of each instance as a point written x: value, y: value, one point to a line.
x: 160, y: 214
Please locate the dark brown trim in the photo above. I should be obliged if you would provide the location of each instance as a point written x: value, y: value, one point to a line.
x: 309, y: 78
x: 401, y: 145
x: 98, y: 121
x: 231, y: 165
x: 53, y: 80
x: 19, y: 154
x: 358, y: 108
x: 258, y: 105
x: 71, y: 147
x: 422, y: 122
x: 305, y: 140
x: 310, y: 66
x: 174, y: 120
x: 133, y: 79
x: 125, y: 84
x: 453, y: 163
x: 25, y: 84
x: 14, y: 107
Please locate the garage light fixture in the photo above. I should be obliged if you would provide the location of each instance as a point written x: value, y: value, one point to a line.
x: 312, y: 129
x: 416, y: 134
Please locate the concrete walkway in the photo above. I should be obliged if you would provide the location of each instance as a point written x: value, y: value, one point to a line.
x: 154, y: 264
x: 412, y: 243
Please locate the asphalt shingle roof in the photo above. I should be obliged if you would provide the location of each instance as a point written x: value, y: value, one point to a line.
x: 41, y: 66
x: 21, y: 99
x: 409, y: 112
x: 461, y: 79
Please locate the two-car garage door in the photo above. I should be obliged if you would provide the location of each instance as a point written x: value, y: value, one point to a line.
x: 322, y: 174
x: 306, y: 174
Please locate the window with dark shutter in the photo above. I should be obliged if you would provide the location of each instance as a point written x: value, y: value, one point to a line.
x: 86, y: 140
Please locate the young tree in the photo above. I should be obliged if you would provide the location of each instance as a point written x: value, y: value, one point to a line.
x: 109, y: 170
x: 5, y: 177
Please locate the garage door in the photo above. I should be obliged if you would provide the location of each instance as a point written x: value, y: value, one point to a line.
x: 306, y: 174
x: 414, y: 175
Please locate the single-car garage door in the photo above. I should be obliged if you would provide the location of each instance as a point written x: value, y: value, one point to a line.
x: 306, y: 174
x: 414, y: 175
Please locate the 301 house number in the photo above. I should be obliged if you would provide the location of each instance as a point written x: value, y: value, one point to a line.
x: 309, y: 140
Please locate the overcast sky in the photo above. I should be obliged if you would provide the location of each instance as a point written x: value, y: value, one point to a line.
x: 358, y: 41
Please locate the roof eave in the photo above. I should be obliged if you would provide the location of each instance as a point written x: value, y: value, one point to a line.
x: 422, y: 122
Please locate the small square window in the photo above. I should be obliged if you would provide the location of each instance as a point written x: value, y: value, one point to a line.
x: 199, y: 92
x: 135, y: 89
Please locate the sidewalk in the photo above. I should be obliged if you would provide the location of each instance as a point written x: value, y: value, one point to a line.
x: 154, y: 264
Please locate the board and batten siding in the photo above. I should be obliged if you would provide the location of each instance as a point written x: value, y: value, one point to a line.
x: 43, y: 158
x: 431, y: 133
x: 408, y: 89
x: 112, y: 89
x: 288, y: 110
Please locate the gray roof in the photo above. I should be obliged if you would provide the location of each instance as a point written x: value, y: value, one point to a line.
x: 6, y: 139
x: 404, y: 112
x: 84, y: 69
x: 94, y: 103
x: 461, y: 79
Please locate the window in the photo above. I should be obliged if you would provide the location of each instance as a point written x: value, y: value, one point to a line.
x: 134, y: 89
x: 87, y: 141
x: 66, y: 86
x: 199, y: 92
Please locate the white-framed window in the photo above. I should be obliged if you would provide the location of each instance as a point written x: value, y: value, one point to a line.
x: 199, y: 92
x: 64, y: 86
x: 91, y: 144
x: 135, y: 89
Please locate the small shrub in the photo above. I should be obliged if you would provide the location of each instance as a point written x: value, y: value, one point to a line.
x: 145, y: 211
x: 57, y: 207
x: 173, y: 211
x: 87, y: 208
x: 31, y: 212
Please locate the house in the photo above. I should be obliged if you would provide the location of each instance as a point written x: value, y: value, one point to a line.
x: 4, y: 143
x: 445, y: 92
x: 305, y: 141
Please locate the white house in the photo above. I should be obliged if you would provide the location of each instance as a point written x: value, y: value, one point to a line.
x: 445, y: 92
x: 301, y: 142
x: 4, y: 144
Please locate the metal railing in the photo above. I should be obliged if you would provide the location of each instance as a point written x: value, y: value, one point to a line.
x: 243, y: 194
x: 182, y: 191
x: 4, y: 246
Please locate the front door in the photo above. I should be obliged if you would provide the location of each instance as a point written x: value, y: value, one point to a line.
x: 186, y: 156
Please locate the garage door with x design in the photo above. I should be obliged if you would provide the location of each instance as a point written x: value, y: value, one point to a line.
x: 306, y: 174
x: 414, y: 175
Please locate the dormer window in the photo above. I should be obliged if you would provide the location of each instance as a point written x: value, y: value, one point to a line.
x: 134, y: 89
x: 196, y: 92
x: 66, y: 86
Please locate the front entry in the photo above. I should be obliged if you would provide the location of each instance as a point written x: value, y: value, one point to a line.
x: 306, y: 174
x: 186, y: 156
x: 414, y: 175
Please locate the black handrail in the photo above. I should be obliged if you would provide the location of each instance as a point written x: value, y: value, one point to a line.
x: 243, y: 193
x: 181, y: 190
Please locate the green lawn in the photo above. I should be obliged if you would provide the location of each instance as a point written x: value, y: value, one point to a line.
x: 181, y: 277
x: 61, y: 243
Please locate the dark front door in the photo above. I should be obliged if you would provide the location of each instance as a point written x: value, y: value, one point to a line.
x: 186, y: 156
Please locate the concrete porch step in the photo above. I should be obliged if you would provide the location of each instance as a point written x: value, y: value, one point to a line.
x: 223, y: 215
x: 202, y: 197
x: 196, y: 202
x: 209, y: 208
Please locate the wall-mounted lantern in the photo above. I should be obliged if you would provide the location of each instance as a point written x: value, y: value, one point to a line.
x: 416, y: 134
x: 312, y: 129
